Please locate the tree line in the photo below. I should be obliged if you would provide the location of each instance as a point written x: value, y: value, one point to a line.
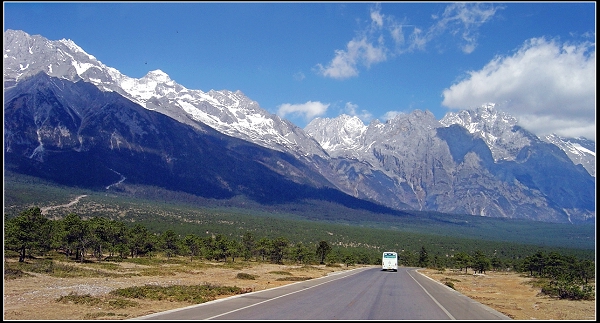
x: 30, y: 233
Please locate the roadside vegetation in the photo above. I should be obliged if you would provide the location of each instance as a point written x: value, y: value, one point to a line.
x: 152, y: 227
x: 53, y: 247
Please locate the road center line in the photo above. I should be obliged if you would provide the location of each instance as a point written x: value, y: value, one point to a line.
x: 274, y: 298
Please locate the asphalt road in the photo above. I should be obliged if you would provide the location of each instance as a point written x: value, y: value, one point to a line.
x: 359, y: 294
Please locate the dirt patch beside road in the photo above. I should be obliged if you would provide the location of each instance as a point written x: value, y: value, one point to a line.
x: 513, y: 295
x: 35, y: 297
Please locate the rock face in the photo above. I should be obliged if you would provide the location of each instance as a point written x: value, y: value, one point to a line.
x: 70, y: 118
x: 429, y: 166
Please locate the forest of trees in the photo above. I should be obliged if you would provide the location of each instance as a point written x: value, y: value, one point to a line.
x: 31, y: 234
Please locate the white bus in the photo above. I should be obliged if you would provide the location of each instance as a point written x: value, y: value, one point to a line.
x: 389, y: 261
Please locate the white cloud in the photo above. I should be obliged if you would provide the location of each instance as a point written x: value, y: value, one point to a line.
x: 396, y: 33
x: 549, y: 86
x: 299, y: 76
x: 308, y: 110
x: 369, y: 46
x: 376, y: 16
x: 463, y: 19
x: 365, y: 49
x: 358, y: 51
x: 352, y: 110
x: 390, y: 115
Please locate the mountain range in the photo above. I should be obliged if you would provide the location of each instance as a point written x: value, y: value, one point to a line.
x: 71, y: 119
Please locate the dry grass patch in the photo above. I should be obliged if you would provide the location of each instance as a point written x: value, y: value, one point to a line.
x: 87, y: 291
x: 89, y: 294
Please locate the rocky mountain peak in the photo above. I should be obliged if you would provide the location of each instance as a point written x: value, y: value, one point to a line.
x: 498, y: 129
x: 340, y: 134
x: 157, y: 76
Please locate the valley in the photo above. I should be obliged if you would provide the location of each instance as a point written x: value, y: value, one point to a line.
x: 102, y: 127
x: 88, y: 297
x: 314, y: 220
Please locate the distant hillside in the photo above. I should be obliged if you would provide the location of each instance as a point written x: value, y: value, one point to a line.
x: 156, y: 205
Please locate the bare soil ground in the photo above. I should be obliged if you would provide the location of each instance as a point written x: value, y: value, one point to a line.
x: 35, y: 298
x: 514, y: 295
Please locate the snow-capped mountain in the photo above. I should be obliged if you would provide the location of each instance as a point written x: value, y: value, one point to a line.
x: 340, y: 136
x: 229, y: 112
x: 75, y: 134
x: 451, y: 168
x: 496, y: 128
x: 582, y: 151
x: 475, y: 162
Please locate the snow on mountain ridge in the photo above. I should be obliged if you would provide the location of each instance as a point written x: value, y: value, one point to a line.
x: 74, y: 47
x: 229, y: 112
x: 575, y: 149
x: 342, y: 133
x: 496, y: 128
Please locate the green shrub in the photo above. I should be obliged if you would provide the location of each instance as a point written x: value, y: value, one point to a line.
x: 158, y: 272
x: 14, y: 273
x: 45, y: 266
x: 103, y: 265
x: 234, y: 265
x: 57, y: 269
x: 568, y: 290
x: 122, y: 303
x: 280, y: 272
x: 92, y: 316
x: 245, y: 276
x: 114, y: 259
x: 194, y: 294
x: 74, y: 298
x: 449, y: 284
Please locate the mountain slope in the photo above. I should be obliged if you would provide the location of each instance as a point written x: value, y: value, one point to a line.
x: 430, y: 166
x: 476, y: 162
x: 581, y: 151
x: 497, y: 129
x: 231, y: 113
x: 75, y: 134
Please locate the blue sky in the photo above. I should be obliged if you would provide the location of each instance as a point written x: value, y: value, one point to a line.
x: 301, y: 60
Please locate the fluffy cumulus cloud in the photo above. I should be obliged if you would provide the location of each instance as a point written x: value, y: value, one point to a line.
x: 308, y: 110
x: 369, y: 46
x: 549, y: 86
